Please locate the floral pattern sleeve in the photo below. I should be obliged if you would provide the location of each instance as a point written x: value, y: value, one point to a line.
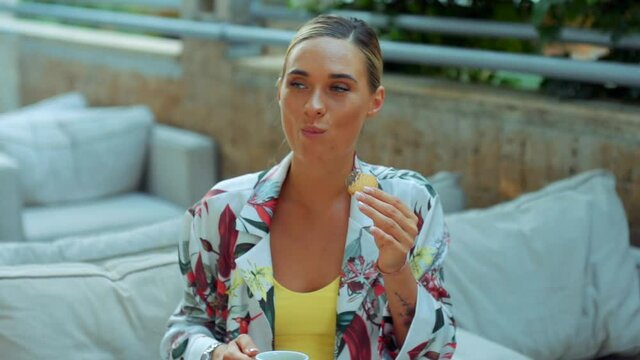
x: 432, y: 331
x: 196, y: 323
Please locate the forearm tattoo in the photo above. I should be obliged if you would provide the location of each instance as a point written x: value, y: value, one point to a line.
x: 408, y: 312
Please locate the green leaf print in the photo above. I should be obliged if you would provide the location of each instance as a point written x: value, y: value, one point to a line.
x: 268, y: 307
x: 439, y: 323
x: 341, y: 345
x: 257, y: 224
x: 344, y: 319
x: 354, y: 249
x: 179, y: 351
x: 261, y: 175
x: 242, y: 249
x: 185, y: 266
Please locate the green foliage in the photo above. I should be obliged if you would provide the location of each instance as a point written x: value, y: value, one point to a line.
x: 617, y: 17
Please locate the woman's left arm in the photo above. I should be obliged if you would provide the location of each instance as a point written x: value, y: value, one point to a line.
x: 422, y: 322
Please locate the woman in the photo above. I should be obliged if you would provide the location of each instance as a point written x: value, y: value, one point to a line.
x: 288, y: 259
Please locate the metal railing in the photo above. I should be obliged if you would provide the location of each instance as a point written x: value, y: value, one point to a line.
x: 594, y: 72
x: 157, y: 5
x: 451, y: 26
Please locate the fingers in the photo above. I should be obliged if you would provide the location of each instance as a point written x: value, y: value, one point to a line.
x: 383, y: 239
x: 391, y: 207
x: 246, y: 345
x: 389, y: 199
x: 386, y: 226
x: 233, y: 352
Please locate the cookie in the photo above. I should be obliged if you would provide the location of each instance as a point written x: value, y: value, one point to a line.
x: 356, y: 181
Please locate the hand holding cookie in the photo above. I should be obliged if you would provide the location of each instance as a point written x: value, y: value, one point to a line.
x: 395, y: 225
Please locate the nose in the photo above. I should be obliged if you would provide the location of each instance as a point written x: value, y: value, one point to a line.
x: 315, y: 107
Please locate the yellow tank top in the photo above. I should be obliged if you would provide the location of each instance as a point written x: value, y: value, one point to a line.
x: 306, y: 322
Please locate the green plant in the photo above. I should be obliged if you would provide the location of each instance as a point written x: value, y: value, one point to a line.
x: 617, y: 17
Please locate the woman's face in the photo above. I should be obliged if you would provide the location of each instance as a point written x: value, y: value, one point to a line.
x: 324, y: 98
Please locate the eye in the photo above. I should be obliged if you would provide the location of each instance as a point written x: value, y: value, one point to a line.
x: 296, y: 84
x: 339, y: 88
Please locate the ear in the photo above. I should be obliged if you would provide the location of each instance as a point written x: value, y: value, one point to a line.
x: 376, y: 102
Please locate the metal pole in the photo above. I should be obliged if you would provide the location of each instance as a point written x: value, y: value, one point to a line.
x: 454, y: 26
x: 588, y: 71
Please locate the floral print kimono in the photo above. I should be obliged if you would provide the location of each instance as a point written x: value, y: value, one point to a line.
x: 225, y: 258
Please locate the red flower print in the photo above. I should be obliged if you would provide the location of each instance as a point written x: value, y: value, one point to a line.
x: 357, y: 339
x: 265, y: 210
x: 415, y: 352
x: 432, y: 355
x: 228, y: 236
x: 265, y: 198
x: 191, y: 278
x: 420, y: 219
x: 210, y: 311
x: 197, y: 208
x: 355, y: 286
x: 202, y: 286
x: 221, y: 288
x: 386, y: 339
x: 358, y: 274
x: 211, y: 193
x: 244, y: 322
x: 378, y: 289
x: 206, y: 245
x: 431, y: 283
x: 224, y: 313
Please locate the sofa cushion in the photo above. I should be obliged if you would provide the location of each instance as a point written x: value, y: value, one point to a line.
x: 530, y: 273
x: 67, y: 101
x: 78, y: 154
x: 470, y: 346
x: 613, y: 275
x: 116, y: 310
x: 447, y: 185
x: 47, y: 223
x: 156, y: 237
x: 516, y: 274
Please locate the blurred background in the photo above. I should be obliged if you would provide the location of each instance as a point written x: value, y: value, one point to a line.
x: 511, y: 94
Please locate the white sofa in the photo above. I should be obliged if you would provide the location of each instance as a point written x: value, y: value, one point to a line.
x: 109, y: 296
x: 66, y: 169
x: 70, y: 299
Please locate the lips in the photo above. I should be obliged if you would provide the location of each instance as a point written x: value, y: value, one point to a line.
x: 312, y: 130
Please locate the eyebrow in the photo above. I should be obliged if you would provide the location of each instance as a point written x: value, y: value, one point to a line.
x: 332, y: 76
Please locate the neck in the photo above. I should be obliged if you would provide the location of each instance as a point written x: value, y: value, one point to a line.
x: 319, y: 183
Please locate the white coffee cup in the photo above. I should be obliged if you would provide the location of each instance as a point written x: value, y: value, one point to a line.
x: 282, y: 355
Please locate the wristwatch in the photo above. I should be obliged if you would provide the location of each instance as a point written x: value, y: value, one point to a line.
x: 208, y: 352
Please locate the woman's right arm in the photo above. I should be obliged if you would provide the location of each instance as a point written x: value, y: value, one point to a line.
x: 205, y: 253
x: 192, y: 327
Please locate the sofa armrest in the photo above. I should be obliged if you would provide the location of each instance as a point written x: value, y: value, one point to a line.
x: 11, y: 200
x: 182, y: 165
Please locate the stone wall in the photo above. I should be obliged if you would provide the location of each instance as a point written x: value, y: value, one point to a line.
x: 503, y: 142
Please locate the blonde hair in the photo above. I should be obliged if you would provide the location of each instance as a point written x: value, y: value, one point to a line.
x: 353, y: 30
